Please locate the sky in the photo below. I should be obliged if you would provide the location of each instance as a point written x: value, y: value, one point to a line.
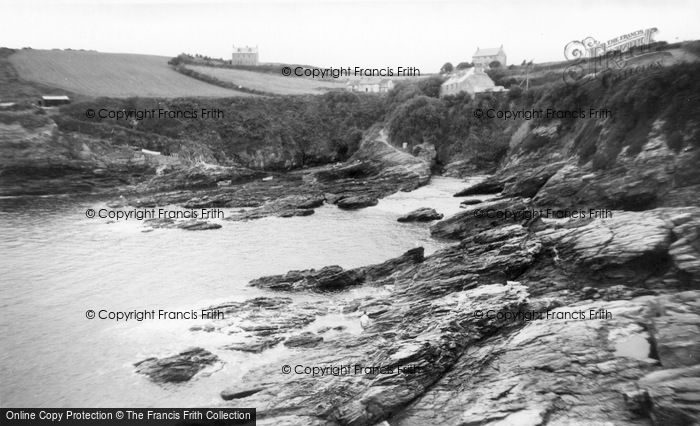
x: 340, y: 33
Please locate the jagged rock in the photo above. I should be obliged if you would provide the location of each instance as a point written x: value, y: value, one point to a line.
x: 177, y: 368
x: 261, y: 322
x: 685, y: 251
x: 674, y: 327
x: 382, y: 270
x: 628, y: 247
x: 200, y: 176
x: 303, y: 340
x: 336, y: 278
x: 528, y: 185
x: 616, y: 189
x: 673, y: 395
x: 473, y: 219
x: 489, y: 186
x: 430, y: 337
x: 424, y: 214
x: 327, y: 278
x: 357, y: 202
x: 565, y: 370
x: 289, y: 206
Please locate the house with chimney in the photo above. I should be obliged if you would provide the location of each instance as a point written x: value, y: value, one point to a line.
x: 483, y: 57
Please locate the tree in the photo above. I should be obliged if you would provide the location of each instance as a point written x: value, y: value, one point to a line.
x: 464, y: 65
x: 495, y: 64
x: 447, y: 68
x: 431, y: 86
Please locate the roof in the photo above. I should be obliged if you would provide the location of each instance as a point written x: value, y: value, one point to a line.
x: 55, y: 98
x: 491, y: 51
x: 477, y: 78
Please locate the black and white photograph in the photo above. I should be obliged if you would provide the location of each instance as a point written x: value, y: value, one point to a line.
x: 336, y: 212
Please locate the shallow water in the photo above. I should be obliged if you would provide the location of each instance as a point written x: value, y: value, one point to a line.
x: 57, y: 264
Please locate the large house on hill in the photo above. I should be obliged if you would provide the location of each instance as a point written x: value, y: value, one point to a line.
x: 483, y: 57
x: 473, y: 80
x: 244, y: 55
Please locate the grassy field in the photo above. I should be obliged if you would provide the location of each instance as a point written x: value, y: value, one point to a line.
x: 110, y: 74
x: 270, y: 83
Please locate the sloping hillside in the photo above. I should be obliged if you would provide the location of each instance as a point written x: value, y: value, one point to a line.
x: 110, y: 74
x: 270, y: 83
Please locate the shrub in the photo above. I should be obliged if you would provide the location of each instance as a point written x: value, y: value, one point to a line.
x: 421, y: 118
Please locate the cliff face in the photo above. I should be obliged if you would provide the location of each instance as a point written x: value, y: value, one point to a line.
x: 36, y: 158
x: 272, y: 133
x: 202, y: 141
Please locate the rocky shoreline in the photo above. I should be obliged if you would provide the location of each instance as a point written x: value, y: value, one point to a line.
x: 452, y: 335
x: 528, y: 318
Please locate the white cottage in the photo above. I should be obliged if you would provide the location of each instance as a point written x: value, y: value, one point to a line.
x: 474, y: 80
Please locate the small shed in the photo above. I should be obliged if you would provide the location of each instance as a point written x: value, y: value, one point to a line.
x: 49, y: 101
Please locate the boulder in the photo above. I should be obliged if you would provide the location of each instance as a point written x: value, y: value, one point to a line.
x: 357, y: 202
x: 424, y: 214
x: 177, y: 368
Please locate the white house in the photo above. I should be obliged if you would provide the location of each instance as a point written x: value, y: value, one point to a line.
x: 370, y: 86
x: 473, y: 80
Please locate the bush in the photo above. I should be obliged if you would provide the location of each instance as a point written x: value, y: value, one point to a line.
x: 420, y: 119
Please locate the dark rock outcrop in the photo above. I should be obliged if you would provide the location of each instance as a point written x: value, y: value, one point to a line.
x: 487, y: 215
x: 177, y: 368
x: 470, y: 202
x: 489, y: 186
x: 238, y: 393
x: 335, y: 277
x: 357, y: 202
x: 425, y: 214
x: 327, y: 278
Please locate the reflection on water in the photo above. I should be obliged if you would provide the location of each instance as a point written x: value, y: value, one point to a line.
x: 57, y: 264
